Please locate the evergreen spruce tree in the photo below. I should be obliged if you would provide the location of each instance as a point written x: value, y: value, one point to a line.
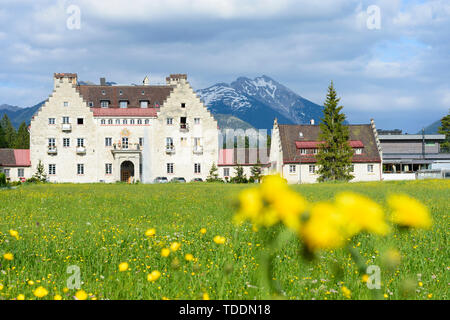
x: 213, y: 174
x: 240, y: 176
x: 2, y: 138
x: 40, y: 174
x: 23, y: 137
x: 335, y: 154
x: 9, y: 132
x: 445, y: 129
x: 255, y: 172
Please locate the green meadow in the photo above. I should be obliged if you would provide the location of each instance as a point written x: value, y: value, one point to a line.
x: 95, y: 227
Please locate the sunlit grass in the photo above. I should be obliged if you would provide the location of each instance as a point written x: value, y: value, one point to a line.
x: 98, y: 227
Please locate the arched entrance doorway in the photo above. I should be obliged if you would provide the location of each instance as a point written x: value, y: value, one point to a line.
x: 126, y: 171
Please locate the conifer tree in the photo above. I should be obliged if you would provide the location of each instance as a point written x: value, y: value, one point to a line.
x: 445, y: 129
x: 40, y: 174
x: 213, y: 174
x: 335, y: 153
x: 9, y: 132
x: 240, y: 176
x: 2, y: 138
x: 22, y: 137
x: 255, y: 172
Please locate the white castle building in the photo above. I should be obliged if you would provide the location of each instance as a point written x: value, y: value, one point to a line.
x: 104, y: 133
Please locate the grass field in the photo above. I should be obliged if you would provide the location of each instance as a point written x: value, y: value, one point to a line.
x: 96, y: 227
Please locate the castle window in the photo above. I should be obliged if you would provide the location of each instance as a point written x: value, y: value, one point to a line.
x: 147, y: 121
x: 80, y: 142
x: 292, y: 168
x: 124, y: 142
x: 170, y: 168
x: 108, y: 142
x: 141, y: 142
x: 52, y: 169
x: 132, y: 121
x: 226, y: 172
x: 312, y: 169
x: 125, y: 121
x: 91, y: 104
x: 80, y: 168
x: 144, y: 104
x: 183, y: 105
x: 370, y: 168
x: 108, y: 168
x: 358, y: 151
x: 65, y: 120
x: 123, y: 104
x: 103, y: 92
x: 103, y: 121
x: 120, y: 92
x: 139, y: 121
x: 80, y: 121
x: 104, y: 103
x: 197, y: 168
x: 66, y: 142
x: 66, y: 103
x: 110, y: 121
x: 196, y: 120
x: 117, y: 121
x: 169, y: 121
x: 51, y: 120
x: 51, y: 142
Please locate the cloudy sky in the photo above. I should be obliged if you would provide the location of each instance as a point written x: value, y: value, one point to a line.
x: 396, y: 71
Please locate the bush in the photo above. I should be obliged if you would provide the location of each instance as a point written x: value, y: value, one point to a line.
x: 2, y: 180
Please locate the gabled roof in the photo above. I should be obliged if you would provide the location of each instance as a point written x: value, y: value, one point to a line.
x: 293, y: 136
x: 15, y: 158
x: 155, y: 95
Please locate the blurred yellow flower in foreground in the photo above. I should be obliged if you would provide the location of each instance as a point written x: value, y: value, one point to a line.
x: 175, y: 246
x: 203, y: 230
x: 408, y: 212
x: 324, y: 228
x: 189, y: 257
x: 57, y: 297
x: 219, y: 239
x: 150, y: 232
x: 81, y: 295
x: 8, y: 256
x: 123, y: 267
x: 40, y: 292
x: 346, y: 292
x: 165, y: 252
x: 20, y: 297
x: 153, y: 276
x: 205, y: 296
x: 362, y: 214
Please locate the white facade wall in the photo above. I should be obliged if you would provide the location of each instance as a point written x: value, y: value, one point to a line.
x: 153, y: 160
x: 13, y: 174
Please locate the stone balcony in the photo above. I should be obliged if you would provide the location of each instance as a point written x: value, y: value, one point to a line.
x: 66, y: 127
x: 184, y: 127
x: 170, y: 149
x: 126, y: 148
x: 52, y: 150
x: 81, y: 150
x: 198, y: 150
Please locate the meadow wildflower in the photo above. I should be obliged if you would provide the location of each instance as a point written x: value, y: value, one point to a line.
x: 14, y: 234
x: 324, y: 229
x: 40, y: 292
x: 20, y: 297
x: 165, y: 252
x: 8, y: 256
x: 203, y: 230
x: 409, y: 212
x: 189, y: 257
x: 219, y: 239
x: 205, y: 296
x: 30, y: 282
x: 346, y: 292
x: 57, y: 297
x: 150, y: 232
x: 123, y: 266
x: 153, y: 276
x: 175, y: 246
x: 81, y: 295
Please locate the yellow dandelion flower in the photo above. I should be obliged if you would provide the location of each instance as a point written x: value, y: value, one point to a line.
x: 189, y: 257
x: 150, y: 232
x: 346, y: 292
x: 420, y: 284
x: 165, y: 252
x: 81, y: 295
x: 203, y: 230
x: 1, y: 287
x: 14, y: 234
x: 153, y: 276
x: 8, y: 256
x: 324, y: 229
x: 175, y: 246
x: 365, y: 278
x: 219, y: 239
x: 40, y: 292
x: 65, y: 290
x: 362, y: 214
x: 30, y: 282
x: 205, y: 296
x: 123, y: 266
x: 409, y: 212
x: 57, y: 297
x: 289, y: 205
x: 20, y: 297
x: 430, y: 296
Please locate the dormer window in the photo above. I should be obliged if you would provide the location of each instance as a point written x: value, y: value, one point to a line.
x: 143, y: 92
x: 124, y: 104
x: 91, y: 104
x: 104, y: 103
x: 120, y: 92
x: 358, y: 151
x: 103, y: 92
x: 144, y: 104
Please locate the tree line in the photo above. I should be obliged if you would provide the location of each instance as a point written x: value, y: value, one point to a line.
x: 12, y: 138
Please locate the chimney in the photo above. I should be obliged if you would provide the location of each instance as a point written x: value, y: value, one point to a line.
x: 146, y: 81
x: 311, y: 122
x: 102, y: 81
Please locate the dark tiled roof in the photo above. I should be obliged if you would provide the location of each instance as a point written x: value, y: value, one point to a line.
x: 133, y: 94
x: 290, y: 134
x: 15, y: 157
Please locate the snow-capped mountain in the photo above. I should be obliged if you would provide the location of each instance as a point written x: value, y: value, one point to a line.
x: 259, y: 101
